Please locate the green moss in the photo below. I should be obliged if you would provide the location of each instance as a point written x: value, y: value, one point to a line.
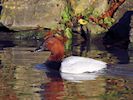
x: 66, y: 14
x: 87, y: 12
x: 95, y: 13
x: 68, y: 33
x: 109, y: 21
x: 68, y: 45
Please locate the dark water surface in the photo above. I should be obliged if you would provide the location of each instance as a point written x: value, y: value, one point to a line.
x: 24, y: 77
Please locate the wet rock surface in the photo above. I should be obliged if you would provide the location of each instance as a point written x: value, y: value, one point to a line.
x: 131, y: 31
x: 79, y: 6
x: 19, y: 15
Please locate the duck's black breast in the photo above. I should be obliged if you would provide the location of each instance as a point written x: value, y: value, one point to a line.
x: 55, y: 65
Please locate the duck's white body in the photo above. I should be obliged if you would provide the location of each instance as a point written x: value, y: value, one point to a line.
x: 78, y: 65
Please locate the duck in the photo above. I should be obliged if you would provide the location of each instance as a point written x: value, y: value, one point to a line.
x: 71, y: 64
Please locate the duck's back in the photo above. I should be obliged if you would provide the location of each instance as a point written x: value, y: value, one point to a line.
x: 75, y: 65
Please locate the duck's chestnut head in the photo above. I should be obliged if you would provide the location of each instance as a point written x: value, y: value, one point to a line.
x: 55, y: 44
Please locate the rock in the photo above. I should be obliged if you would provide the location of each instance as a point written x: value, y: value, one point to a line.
x: 79, y: 6
x: 131, y: 31
x: 126, y: 6
x: 94, y: 7
x: 23, y: 14
x: 100, y: 7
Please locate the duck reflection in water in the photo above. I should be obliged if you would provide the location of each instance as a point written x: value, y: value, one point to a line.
x: 116, y: 40
x: 55, y: 88
x: 0, y: 64
x: 51, y: 90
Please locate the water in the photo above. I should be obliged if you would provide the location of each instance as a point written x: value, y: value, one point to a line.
x: 23, y: 76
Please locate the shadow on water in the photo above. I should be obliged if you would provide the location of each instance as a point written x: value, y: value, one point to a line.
x: 80, y: 48
x: 4, y: 44
x: 120, y: 70
x: 0, y: 64
x: 118, y: 34
x: 116, y: 40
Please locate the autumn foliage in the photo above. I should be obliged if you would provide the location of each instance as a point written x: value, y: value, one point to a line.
x: 109, y: 13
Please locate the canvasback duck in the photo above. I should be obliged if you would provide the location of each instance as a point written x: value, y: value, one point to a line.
x: 72, y: 64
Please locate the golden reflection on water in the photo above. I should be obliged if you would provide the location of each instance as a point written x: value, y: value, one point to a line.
x: 18, y: 72
x: 19, y: 80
